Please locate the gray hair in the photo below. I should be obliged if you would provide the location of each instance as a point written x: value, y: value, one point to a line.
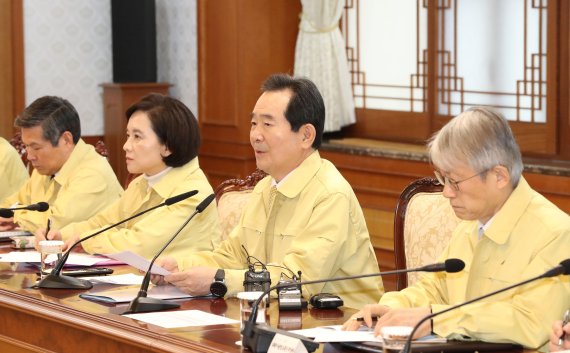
x: 55, y: 115
x: 479, y: 137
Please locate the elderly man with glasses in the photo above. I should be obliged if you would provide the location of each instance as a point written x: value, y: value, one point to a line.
x: 508, y: 233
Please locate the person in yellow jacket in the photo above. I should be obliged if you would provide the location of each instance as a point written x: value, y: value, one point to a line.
x: 163, y: 140
x: 13, y: 174
x: 508, y: 233
x: 69, y: 174
x: 313, y: 223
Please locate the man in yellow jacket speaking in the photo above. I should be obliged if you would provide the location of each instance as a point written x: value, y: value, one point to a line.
x: 303, y: 216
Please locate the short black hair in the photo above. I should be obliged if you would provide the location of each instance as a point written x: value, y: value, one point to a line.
x: 174, y: 124
x: 55, y: 115
x: 306, y: 105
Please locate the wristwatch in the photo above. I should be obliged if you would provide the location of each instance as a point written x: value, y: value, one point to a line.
x: 218, y: 287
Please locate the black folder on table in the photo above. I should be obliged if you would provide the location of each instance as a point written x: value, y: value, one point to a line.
x: 449, y: 346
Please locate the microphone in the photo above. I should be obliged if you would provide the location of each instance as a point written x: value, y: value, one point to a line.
x: 562, y: 269
x: 142, y: 303
x: 56, y: 281
x: 257, y: 337
x: 9, y: 212
x: 450, y: 266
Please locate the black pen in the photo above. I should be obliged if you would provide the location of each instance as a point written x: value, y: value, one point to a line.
x: 48, y: 226
x: 564, y: 322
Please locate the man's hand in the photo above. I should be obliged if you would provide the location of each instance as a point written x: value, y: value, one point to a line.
x: 390, y: 317
x: 555, y: 335
x: 53, y: 234
x: 7, y: 224
x: 367, y: 312
x: 167, y: 263
x: 194, y: 281
x: 56, y: 235
x: 406, y: 317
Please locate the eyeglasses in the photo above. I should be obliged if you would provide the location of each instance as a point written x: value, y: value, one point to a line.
x: 443, y: 180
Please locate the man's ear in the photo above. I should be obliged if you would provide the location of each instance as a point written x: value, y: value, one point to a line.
x: 308, y: 133
x: 502, y: 175
x: 67, y: 138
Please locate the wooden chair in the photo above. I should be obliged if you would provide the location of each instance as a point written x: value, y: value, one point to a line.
x: 231, y: 197
x: 17, y: 143
x: 102, y: 149
x: 423, y: 224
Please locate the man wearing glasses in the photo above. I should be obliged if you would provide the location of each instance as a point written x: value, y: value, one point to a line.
x: 508, y: 233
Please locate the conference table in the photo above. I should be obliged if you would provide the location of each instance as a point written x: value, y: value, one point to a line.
x: 52, y: 320
x: 42, y: 320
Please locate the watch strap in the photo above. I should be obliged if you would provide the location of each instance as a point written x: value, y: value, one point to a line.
x: 220, y: 275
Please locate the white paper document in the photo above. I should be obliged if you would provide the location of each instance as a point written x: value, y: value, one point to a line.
x: 124, y: 279
x: 14, y: 233
x: 125, y: 295
x: 182, y: 318
x: 75, y: 259
x: 335, y: 334
x: 137, y: 261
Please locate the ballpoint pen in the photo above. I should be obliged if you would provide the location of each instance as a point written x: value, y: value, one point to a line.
x: 48, y: 226
x: 564, y: 322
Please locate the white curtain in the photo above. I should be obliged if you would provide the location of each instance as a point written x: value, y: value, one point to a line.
x: 320, y: 56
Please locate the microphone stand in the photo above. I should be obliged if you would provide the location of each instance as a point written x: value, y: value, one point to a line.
x: 563, y: 268
x: 257, y: 337
x: 9, y: 212
x: 56, y: 281
x: 142, y: 303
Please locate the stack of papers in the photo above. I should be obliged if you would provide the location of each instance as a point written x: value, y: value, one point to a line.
x: 182, y: 318
x: 126, y: 279
x: 334, y: 333
x: 75, y: 259
x: 126, y: 295
x: 5, y: 235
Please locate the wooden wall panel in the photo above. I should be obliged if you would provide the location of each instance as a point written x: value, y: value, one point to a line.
x: 240, y: 43
x: 11, y: 64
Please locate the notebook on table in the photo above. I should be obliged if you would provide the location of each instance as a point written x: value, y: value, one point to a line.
x: 6, y: 235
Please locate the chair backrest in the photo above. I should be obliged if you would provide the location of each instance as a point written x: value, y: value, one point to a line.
x: 17, y: 143
x: 231, y: 197
x: 423, y: 224
x: 102, y: 149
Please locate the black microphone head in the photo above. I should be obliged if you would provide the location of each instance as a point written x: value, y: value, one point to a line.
x: 6, y: 213
x: 207, y: 201
x: 40, y: 207
x: 174, y: 199
x: 566, y: 265
x: 454, y: 265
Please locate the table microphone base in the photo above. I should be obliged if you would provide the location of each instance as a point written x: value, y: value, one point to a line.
x: 146, y: 304
x: 64, y: 282
x: 262, y: 335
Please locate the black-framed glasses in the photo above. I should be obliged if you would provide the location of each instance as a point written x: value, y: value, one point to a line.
x: 443, y: 180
